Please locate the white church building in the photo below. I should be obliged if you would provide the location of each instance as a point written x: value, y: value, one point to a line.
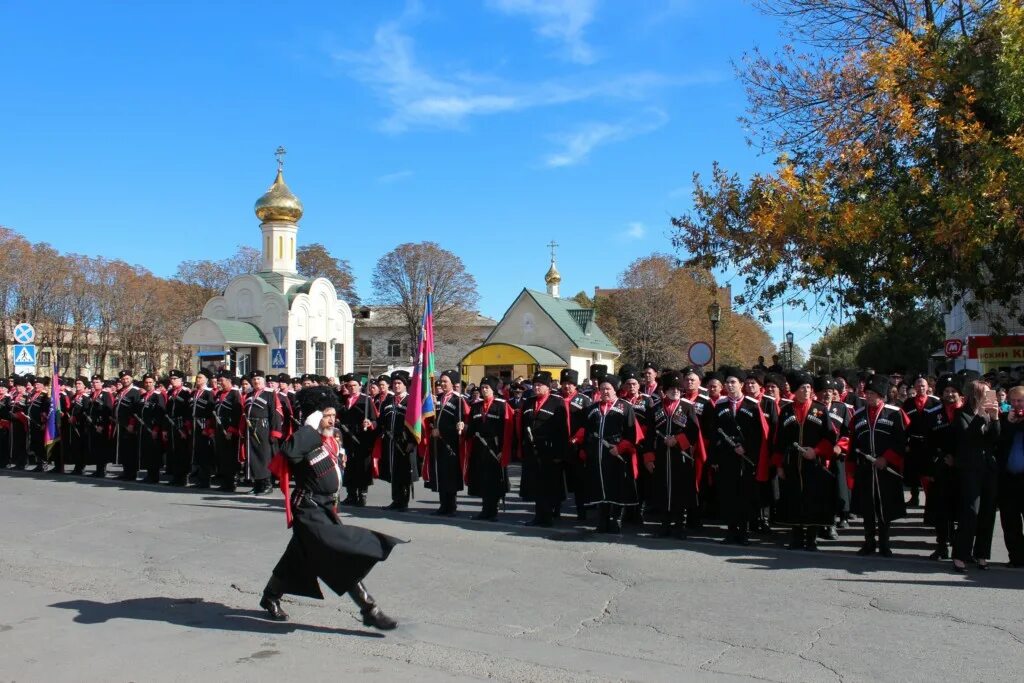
x: 275, y: 320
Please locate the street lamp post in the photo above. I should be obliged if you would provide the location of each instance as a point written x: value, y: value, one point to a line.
x: 828, y: 354
x: 715, y: 316
x: 789, y: 342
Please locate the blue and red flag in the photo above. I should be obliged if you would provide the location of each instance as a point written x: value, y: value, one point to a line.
x: 52, y: 433
x: 421, y: 389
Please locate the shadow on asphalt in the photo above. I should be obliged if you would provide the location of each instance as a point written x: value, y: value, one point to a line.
x: 194, y: 613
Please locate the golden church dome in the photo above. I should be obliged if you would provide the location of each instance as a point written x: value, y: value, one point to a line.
x: 553, y: 275
x: 278, y: 203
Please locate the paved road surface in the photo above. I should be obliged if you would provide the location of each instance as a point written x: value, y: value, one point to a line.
x: 112, y: 582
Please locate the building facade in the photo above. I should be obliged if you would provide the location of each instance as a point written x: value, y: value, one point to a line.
x: 382, y: 339
x: 541, y: 331
x: 275, y: 320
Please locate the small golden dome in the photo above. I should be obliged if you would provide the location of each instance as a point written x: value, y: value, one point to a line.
x: 278, y: 203
x: 553, y: 275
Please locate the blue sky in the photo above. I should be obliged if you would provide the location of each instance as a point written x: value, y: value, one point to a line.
x: 145, y: 131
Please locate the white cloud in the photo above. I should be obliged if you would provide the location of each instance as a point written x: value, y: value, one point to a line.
x: 636, y: 230
x: 418, y: 98
x: 577, y: 146
x: 389, y: 178
x: 560, y: 20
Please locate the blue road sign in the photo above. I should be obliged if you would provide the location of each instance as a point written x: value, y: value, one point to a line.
x: 278, y: 358
x: 24, y: 333
x: 25, y: 354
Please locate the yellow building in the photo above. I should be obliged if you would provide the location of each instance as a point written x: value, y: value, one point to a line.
x: 541, y: 331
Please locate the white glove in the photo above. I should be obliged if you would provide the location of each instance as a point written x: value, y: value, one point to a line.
x: 313, y: 420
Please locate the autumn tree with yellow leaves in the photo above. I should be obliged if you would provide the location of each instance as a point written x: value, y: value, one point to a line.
x: 898, y: 130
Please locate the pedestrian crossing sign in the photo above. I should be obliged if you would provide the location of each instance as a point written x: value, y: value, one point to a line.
x: 278, y: 359
x: 25, y: 354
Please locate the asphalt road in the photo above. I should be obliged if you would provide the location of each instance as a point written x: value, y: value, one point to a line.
x: 104, y: 581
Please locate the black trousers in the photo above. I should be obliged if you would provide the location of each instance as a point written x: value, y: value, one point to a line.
x: 400, y: 494
x: 1011, y: 514
x: 227, y: 460
x: 449, y: 501
x: 875, y: 522
x: 976, y: 516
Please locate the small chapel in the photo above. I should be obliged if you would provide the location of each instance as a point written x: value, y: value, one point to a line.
x: 275, y: 320
x: 541, y: 331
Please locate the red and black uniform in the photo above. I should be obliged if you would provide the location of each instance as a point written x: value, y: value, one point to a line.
x: 740, y: 423
x: 77, y: 450
x: 675, y: 482
x: 543, y: 442
x: 261, y: 428
x: 577, y: 404
x: 611, y: 478
x: 127, y: 402
x: 204, y: 431
x: 17, y: 403
x: 704, y: 409
x: 5, y: 428
x: 940, y: 501
x: 841, y: 415
x: 807, y: 498
x: 151, y: 416
x: 491, y: 434
x: 37, y: 412
x: 395, y: 451
x: 99, y: 422
x: 358, y: 445
x: 177, y: 434
x: 446, y: 455
x: 918, y: 410
x: 878, y: 432
x: 227, y: 414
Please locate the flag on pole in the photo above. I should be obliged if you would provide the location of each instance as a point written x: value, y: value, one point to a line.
x: 421, y: 390
x: 52, y: 433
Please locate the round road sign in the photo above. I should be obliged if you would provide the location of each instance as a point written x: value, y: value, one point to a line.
x: 700, y: 353
x: 24, y: 333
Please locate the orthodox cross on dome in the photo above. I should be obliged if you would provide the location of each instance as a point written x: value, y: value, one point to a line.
x: 552, y: 245
x: 279, y: 154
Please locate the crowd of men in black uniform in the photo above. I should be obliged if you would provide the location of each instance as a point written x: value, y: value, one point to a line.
x: 751, y: 448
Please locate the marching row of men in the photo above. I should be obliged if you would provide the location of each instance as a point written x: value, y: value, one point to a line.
x: 754, y: 448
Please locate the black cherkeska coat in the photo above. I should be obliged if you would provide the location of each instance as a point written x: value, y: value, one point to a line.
x: 879, y: 433
x: 445, y: 461
x: 396, y: 454
x: 736, y: 475
x: 611, y: 478
x: 918, y: 411
x: 357, y: 442
x: 808, y: 491
x: 543, y: 438
x: 940, y: 497
x: 321, y: 547
x: 675, y: 482
x: 491, y: 431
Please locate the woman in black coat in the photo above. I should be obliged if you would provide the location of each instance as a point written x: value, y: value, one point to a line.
x: 321, y: 547
x: 977, y: 433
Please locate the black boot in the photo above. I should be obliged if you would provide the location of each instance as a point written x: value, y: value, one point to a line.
x: 372, y: 615
x: 361, y: 499
x: 811, y: 538
x: 666, y: 528
x: 352, y: 498
x: 796, y: 541
x: 941, y: 553
x: 271, y: 600
x: 883, y: 540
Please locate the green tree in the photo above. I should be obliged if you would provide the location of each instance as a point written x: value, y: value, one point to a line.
x: 899, y: 174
